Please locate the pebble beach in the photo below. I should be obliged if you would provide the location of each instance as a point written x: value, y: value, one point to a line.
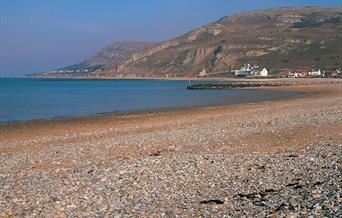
x: 279, y: 158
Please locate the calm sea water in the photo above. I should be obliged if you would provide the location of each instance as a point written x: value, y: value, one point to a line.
x: 27, y: 99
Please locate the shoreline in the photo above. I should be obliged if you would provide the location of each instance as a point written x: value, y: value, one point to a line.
x: 291, y: 82
x: 23, y: 124
x: 70, y: 118
x: 38, y: 126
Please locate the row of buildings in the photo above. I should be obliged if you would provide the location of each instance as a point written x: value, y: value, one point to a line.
x: 315, y: 73
x: 246, y: 70
x: 249, y: 70
x: 69, y: 71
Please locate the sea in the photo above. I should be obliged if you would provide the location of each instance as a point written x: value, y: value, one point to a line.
x: 24, y: 99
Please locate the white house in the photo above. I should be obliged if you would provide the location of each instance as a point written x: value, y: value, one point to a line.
x: 202, y: 73
x: 295, y: 75
x: 263, y: 72
x: 316, y: 73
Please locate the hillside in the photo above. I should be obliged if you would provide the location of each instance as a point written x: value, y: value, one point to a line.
x: 278, y: 38
x: 117, y: 52
x: 111, y: 54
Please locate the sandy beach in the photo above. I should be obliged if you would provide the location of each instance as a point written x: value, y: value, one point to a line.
x: 271, y: 158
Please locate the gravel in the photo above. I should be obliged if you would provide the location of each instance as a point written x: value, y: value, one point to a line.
x: 183, y: 167
x: 301, y: 183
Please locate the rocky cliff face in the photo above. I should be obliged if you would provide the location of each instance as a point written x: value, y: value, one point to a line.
x: 276, y: 38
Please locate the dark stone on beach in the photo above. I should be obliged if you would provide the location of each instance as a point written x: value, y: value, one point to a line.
x: 213, y: 201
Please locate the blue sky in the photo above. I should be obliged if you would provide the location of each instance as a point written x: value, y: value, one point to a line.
x: 38, y: 35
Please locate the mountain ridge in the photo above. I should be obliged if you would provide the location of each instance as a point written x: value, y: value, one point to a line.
x: 279, y: 38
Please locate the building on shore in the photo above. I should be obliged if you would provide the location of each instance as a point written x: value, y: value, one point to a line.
x: 203, y: 73
x: 246, y: 70
x: 251, y: 70
x: 316, y: 73
x: 336, y: 73
x: 264, y: 72
x: 295, y: 75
